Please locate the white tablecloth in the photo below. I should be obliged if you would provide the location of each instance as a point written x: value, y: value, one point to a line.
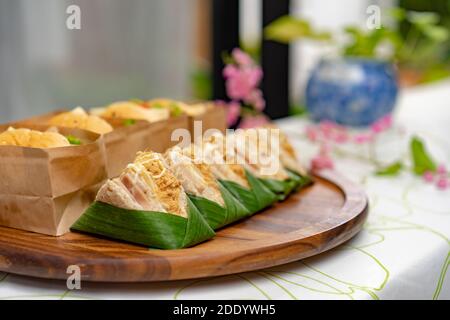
x: 402, y: 252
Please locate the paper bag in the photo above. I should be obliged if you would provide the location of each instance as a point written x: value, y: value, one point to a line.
x: 213, y: 118
x: 46, y: 190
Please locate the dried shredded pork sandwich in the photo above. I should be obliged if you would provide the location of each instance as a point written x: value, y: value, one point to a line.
x: 132, y: 110
x: 212, y: 152
x: 146, y: 184
x: 32, y: 138
x: 288, y: 156
x: 196, y: 178
x: 259, y: 152
x: 78, y: 118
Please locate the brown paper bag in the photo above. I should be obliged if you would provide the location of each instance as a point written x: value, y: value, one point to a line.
x: 46, y: 190
x: 124, y: 142
x: 213, y: 118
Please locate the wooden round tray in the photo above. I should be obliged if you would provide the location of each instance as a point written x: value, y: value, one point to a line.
x: 312, y: 221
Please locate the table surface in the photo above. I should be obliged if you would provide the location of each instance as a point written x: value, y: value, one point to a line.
x: 402, y: 252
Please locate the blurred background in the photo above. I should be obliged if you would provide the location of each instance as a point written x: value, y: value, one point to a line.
x: 165, y: 48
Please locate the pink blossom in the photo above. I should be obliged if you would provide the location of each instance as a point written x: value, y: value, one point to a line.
x: 441, y: 169
x: 312, y: 133
x: 241, y: 58
x: 442, y: 183
x: 240, y: 84
x: 321, y: 162
x: 341, y: 137
x: 382, y: 124
x: 255, y: 98
x: 327, y: 127
x: 387, y: 121
x: 233, y: 113
x: 428, y: 176
x: 230, y: 71
x: 253, y: 122
x: 362, y: 138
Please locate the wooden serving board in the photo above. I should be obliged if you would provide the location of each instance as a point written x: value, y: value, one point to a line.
x: 311, y: 221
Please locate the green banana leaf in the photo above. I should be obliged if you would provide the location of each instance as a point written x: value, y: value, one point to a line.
x: 283, y: 188
x: 301, y: 180
x: 256, y: 198
x: 153, y: 229
x: 218, y: 216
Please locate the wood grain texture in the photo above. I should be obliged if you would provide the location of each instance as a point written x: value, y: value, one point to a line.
x: 312, y: 221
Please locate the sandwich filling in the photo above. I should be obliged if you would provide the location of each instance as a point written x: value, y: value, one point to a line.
x: 212, y: 152
x: 146, y: 184
x: 260, y: 153
x: 196, y: 178
x: 132, y: 110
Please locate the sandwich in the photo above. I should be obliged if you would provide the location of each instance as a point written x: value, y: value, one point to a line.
x: 132, y: 110
x: 146, y: 205
x: 33, y: 139
x: 267, y: 155
x: 146, y: 184
x: 260, y: 152
x: 175, y: 108
x: 212, y: 152
x: 196, y: 177
x: 288, y: 155
x: 78, y: 118
x: 209, y: 195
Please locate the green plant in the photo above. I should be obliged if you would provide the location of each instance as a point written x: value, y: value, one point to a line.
x: 424, y: 37
x: 288, y: 28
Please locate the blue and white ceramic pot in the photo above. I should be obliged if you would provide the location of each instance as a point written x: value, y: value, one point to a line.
x: 351, y: 91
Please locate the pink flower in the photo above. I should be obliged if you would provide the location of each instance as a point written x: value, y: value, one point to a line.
x: 382, y: 124
x: 387, y: 121
x: 312, y: 133
x: 321, y: 162
x: 255, y: 98
x: 327, y: 127
x: 241, y: 83
x: 233, y: 112
x: 362, y: 138
x: 441, y: 169
x: 241, y: 58
x: 428, y: 176
x: 230, y: 71
x: 341, y: 137
x: 442, y: 183
x: 253, y: 122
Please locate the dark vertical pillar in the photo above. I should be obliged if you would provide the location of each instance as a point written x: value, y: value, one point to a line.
x: 225, y: 38
x: 275, y: 63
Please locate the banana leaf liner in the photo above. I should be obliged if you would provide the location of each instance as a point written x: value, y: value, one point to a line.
x: 284, y: 188
x: 159, y: 230
x: 219, y: 216
x: 255, y: 198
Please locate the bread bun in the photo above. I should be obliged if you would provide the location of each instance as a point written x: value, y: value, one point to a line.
x: 131, y: 110
x: 175, y: 107
x: 78, y: 118
x: 31, y: 138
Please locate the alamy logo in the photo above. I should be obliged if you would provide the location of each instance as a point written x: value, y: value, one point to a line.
x: 374, y: 19
x: 74, y: 280
x: 250, y: 147
x: 73, y: 21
